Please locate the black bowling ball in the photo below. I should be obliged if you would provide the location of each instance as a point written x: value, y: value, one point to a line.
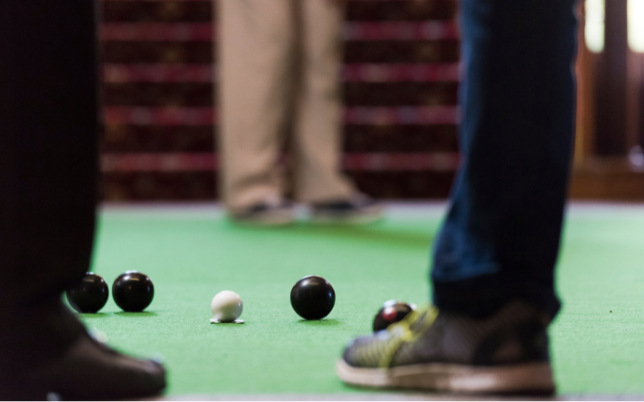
x: 133, y: 291
x: 90, y: 295
x: 312, y: 297
x: 391, y: 312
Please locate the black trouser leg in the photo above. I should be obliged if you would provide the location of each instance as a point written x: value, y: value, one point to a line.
x: 48, y: 171
x: 500, y: 240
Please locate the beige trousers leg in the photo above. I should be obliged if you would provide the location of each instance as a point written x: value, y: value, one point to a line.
x: 279, y: 66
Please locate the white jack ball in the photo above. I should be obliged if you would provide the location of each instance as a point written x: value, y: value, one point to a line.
x: 227, y: 306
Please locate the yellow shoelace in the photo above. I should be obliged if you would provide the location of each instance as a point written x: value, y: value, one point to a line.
x: 403, y: 333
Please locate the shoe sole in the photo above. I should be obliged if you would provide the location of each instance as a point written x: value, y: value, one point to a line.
x: 442, y: 377
x: 360, y: 218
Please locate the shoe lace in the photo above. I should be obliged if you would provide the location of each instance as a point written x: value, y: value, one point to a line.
x: 412, y: 327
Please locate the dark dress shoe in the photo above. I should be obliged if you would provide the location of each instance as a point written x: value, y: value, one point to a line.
x: 88, y: 370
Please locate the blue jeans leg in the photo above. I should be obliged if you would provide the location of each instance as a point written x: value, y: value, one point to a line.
x: 501, y: 237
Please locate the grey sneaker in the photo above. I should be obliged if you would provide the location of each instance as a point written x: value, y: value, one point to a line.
x: 265, y: 214
x: 506, y: 352
x: 356, y: 210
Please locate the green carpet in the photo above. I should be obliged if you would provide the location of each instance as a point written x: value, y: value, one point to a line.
x: 191, y: 254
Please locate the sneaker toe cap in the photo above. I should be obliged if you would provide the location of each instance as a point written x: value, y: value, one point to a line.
x: 362, y: 352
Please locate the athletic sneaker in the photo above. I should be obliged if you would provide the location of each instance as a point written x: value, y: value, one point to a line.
x: 265, y: 214
x: 358, y: 209
x: 506, y: 352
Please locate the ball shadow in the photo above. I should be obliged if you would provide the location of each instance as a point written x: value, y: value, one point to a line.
x: 321, y: 323
x: 93, y: 315
x: 141, y: 314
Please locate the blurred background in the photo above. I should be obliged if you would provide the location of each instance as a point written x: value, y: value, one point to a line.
x: 400, y: 93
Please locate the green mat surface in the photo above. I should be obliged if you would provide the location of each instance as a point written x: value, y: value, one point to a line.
x: 193, y: 253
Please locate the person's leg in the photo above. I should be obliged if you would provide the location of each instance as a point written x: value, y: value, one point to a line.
x: 494, y: 261
x: 49, y: 110
x: 48, y: 170
x: 501, y: 237
x: 317, y: 144
x: 255, y: 58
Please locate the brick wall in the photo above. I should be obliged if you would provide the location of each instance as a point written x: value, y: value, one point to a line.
x: 400, y: 84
